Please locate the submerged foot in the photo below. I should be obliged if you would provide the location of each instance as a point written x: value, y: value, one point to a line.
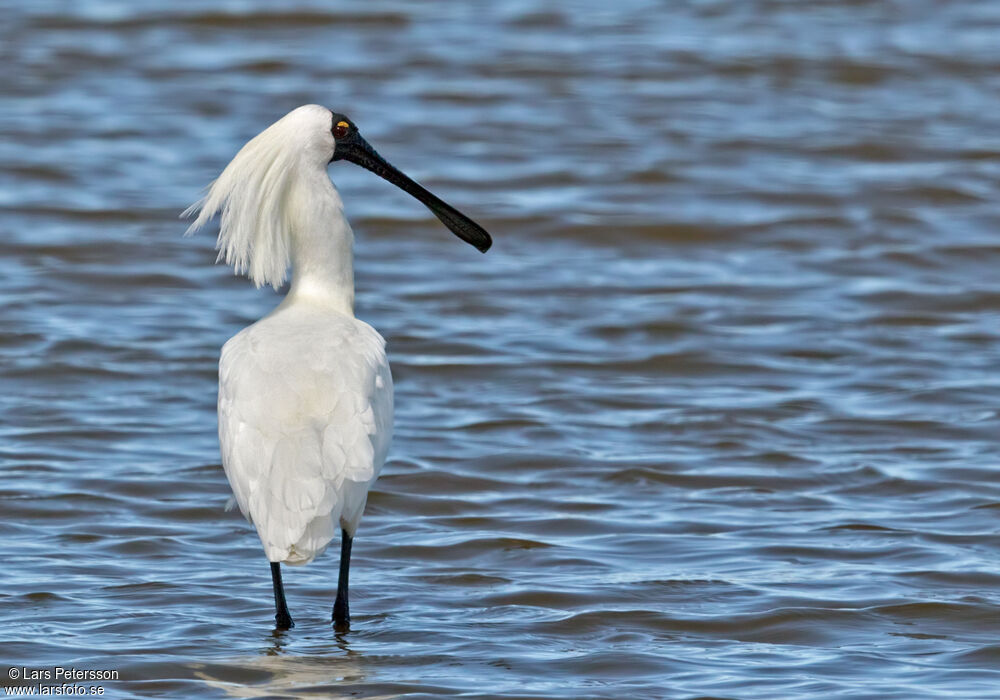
x: 341, y: 616
x: 283, y: 621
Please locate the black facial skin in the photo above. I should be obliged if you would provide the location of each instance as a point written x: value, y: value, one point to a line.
x: 352, y: 147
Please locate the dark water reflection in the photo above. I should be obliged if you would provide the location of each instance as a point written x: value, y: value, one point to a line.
x: 716, y: 417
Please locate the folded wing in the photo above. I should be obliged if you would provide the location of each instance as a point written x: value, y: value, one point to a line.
x: 305, y: 420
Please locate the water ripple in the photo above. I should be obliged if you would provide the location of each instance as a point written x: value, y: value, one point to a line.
x: 715, y: 418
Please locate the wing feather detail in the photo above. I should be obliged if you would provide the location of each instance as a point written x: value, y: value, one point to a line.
x: 305, y: 420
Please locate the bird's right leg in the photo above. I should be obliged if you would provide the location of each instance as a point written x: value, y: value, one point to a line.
x: 282, y: 618
x: 341, y: 612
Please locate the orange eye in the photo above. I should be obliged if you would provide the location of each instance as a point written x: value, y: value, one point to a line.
x: 340, y: 130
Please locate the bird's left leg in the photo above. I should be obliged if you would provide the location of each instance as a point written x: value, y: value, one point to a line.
x: 341, y: 611
x: 282, y: 618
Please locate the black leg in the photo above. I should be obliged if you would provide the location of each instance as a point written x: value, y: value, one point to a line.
x: 341, y: 611
x: 282, y: 619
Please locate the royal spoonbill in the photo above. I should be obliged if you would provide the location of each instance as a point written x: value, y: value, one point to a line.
x: 305, y: 393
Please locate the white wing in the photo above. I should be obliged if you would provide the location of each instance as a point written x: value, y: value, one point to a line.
x: 305, y: 420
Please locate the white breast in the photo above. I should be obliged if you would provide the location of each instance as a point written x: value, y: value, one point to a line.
x: 305, y: 421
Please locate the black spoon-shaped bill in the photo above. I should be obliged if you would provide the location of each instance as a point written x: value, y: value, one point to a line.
x: 353, y: 148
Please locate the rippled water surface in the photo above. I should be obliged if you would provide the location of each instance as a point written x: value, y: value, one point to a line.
x: 716, y: 417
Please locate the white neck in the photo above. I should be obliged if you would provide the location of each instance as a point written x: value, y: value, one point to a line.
x: 321, y: 245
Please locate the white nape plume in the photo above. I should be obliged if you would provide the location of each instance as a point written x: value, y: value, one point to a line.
x: 255, y: 190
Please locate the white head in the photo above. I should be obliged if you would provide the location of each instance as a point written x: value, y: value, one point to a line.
x: 257, y: 192
x: 253, y: 192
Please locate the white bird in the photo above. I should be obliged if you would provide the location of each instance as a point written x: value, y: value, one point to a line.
x: 305, y: 393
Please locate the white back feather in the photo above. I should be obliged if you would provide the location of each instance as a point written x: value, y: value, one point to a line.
x: 253, y: 194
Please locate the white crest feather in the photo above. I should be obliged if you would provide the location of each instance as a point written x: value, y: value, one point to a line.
x: 253, y: 195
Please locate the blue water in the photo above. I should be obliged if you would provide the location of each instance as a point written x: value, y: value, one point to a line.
x: 716, y: 417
